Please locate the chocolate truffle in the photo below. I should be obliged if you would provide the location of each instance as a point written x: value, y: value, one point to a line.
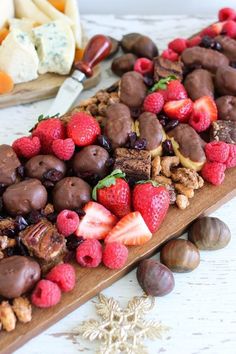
x: 71, y: 193
x: 8, y: 165
x: 23, y: 197
x: 228, y: 46
x: 40, y: 164
x: 91, y: 160
x: 199, y: 83
x: 150, y: 129
x: 18, y: 275
x: 119, y: 124
x: 132, y: 89
x: 226, y: 107
x: 225, y: 81
x: 208, y: 59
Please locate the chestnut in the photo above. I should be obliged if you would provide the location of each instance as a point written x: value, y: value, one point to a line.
x: 180, y: 256
x: 128, y: 41
x: 145, y: 47
x: 155, y: 278
x: 123, y: 64
x: 209, y: 233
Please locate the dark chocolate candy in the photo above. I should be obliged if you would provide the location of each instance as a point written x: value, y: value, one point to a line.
x: 225, y: 81
x: 8, y: 165
x: 199, y: 83
x: 224, y: 130
x: 226, y: 107
x: 23, y: 197
x: 132, y: 89
x: 18, y: 275
x: 70, y: 193
x: 38, y: 165
x: 151, y: 130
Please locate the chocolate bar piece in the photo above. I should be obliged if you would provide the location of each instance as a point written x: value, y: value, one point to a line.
x: 224, y: 130
x: 136, y: 164
x: 164, y: 67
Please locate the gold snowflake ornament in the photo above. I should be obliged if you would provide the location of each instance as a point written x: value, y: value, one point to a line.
x: 122, y: 330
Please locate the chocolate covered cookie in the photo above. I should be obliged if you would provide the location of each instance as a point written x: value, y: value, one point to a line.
x: 39, y: 165
x: 8, y: 165
x: 132, y: 89
x: 226, y: 106
x: 199, y: 83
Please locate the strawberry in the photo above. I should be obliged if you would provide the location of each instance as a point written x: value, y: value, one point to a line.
x: 113, y: 192
x: 131, y: 230
x: 83, y: 129
x: 170, y: 55
x: 63, y: 149
x: 205, y: 105
x: 178, y: 45
x: 152, y: 201
x: 193, y: 42
x: 213, y: 30
x: 47, y: 130
x: 153, y: 103
x: 180, y: 109
x: 229, y: 29
x: 97, y: 222
x: 176, y: 91
x: 226, y: 13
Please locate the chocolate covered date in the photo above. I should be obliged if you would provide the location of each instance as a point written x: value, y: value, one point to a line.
x: 119, y: 124
x: 150, y: 129
x: 199, y: 83
x: 8, y: 165
x: 226, y: 106
x: 228, y: 46
x: 225, y: 81
x: 206, y: 58
x: 38, y: 165
x: 132, y: 90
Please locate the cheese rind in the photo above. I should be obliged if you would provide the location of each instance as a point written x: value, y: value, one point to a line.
x: 18, y: 57
x: 72, y: 11
x: 55, y: 45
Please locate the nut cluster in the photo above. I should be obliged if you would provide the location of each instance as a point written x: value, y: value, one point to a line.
x: 20, y: 310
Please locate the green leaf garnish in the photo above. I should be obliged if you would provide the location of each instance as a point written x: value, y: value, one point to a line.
x: 42, y: 117
x: 162, y: 83
x: 154, y: 183
x: 108, y: 181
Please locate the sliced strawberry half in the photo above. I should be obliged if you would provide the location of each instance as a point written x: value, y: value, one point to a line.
x: 131, y: 230
x: 97, y: 222
x: 180, y: 109
x: 205, y: 106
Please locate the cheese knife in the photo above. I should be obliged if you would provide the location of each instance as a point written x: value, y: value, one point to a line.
x: 97, y: 49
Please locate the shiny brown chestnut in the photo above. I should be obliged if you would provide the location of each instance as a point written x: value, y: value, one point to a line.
x: 155, y: 278
x: 209, y: 233
x: 180, y: 256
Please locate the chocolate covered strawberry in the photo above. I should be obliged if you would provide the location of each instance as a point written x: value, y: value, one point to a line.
x: 113, y: 192
x: 152, y: 201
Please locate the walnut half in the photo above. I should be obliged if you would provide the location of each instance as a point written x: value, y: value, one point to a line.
x: 7, y: 316
x: 189, y: 178
x: 22, y: 309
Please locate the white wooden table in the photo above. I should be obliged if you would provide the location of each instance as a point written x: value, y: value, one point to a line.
x: 201, y: 311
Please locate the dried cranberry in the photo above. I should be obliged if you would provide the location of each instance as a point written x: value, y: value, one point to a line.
x: 53, y: 175
x: 135, y: 112
x: 80, y: 212
x: 9, y: 233
x: 52, y: 217
x: 104, y: 142
x: 73, y: 241
x: 2, y: 189
x: 171, y: 125
x: 21, y: 171
x: 131, y: 181
x: 11, y: 251
x: 92, y: 179
x: 163, y: 119
x: 48, y: 184
x: 140, y: 144
x: 167, y: 148
x: 132, y: 137
x: 148, y: 80
x: 217, y: 46
x: 20, y: 223
x: 22, y: 249
x: 34, y: 217
x: 110, y: 162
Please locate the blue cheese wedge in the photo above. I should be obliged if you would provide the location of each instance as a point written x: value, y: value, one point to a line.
x: 18, y: 57
x: 55, y: 45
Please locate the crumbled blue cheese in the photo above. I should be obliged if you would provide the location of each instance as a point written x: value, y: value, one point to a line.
x: 18, y: 57
x: 55, y: 46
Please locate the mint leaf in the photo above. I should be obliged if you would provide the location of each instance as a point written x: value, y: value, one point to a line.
x: 108, y: 181
x: 162, y: 83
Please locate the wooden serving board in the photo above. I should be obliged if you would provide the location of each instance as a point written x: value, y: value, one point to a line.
x: 91, y: 281
x: 45, y: 86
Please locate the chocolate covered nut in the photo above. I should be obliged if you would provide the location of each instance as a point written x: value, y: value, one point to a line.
x: 207, y: 58
x: 8, y: 165
x: 225, y: 81
x: 118, y: 125
x: 164, y: 67
x: 23, y: 197
x: 91, y: 160
x: 128, y: 41
x: 151, y: 130
x: 132, y: 89
x: 70, y: 193
x: 144, y: 47
x: 199, y: 83
x: 228, y: 46
x: 18, y: 275
x: 38, y: 165
x: 226, y: 106
x: 123, y: 64
x: 224, y: 130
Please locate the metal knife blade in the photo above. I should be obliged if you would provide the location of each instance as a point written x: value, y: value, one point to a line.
x: 67, y: 94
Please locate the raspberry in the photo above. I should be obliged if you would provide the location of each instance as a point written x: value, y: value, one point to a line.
x: 213, y: 172
x: 217, y: 151
x: 153, y: 103
x: 46, y: 294
x: 170, y: 55
x: 63, y: 149
x: 63, y: 275
x: 231, y: 160
x: 115, y: 255
x: 27, y: 146
x: 178, y: 45
x: 67, y: 222
x: 199, y: 122
x: 143, y: 66
x: 48, y: 130
x: 83, y: 129
x: 229, y: 29
x: 193, y: 42
x: 89, y: 253
x: 226, y: 13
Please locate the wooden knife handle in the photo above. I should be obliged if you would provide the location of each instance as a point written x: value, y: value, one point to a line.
x: 97, y: 49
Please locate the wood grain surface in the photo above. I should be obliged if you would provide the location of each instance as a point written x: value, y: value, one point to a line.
x: 45, y: 86
x: 91, y: 282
